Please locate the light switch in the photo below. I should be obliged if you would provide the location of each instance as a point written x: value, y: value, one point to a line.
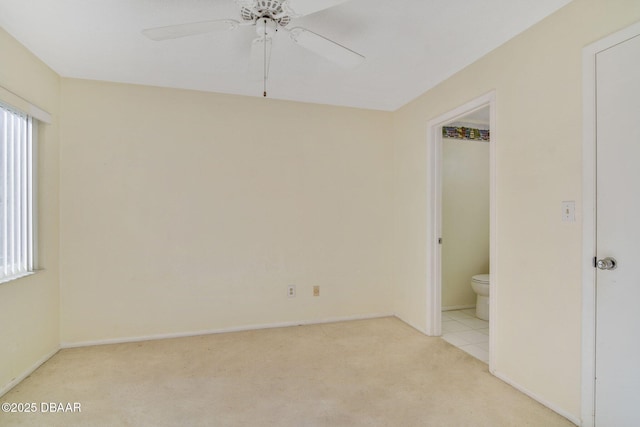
x: 569, y: 211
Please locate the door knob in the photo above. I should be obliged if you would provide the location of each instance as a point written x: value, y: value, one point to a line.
x: 607, y: 263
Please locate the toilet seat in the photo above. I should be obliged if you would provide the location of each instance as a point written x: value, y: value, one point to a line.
x: 481, y: 278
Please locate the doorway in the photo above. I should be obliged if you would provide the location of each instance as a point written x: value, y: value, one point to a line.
x: 611, y: 229
x: 435, y: 209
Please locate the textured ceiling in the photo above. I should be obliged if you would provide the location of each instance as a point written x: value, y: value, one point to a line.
x: 410, y: 45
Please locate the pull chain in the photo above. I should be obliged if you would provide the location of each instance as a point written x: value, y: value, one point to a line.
x: 264, y: 93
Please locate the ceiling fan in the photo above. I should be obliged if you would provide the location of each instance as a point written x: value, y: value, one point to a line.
x: 268, y: 17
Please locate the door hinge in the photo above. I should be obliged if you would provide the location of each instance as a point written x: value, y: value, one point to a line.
x: 439, y: 240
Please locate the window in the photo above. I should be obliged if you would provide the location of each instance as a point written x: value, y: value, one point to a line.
x: 16, y: 194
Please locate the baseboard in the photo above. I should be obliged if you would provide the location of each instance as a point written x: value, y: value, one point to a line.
x: 457, y: 307
x: 221, y: 330
x: 14, y: 382
x: 576, y: 420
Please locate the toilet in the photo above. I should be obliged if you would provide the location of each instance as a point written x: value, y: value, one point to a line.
x: 480, y: 285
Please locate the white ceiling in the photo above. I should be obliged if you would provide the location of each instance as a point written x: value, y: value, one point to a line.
x: 410, y: 45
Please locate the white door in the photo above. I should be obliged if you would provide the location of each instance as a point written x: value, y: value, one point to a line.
x: 617, y: 385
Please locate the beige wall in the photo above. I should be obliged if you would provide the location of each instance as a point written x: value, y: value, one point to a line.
x: 184, y: 211
x: 465, y: 218
x: 537, y: 79
x: 29, y: 310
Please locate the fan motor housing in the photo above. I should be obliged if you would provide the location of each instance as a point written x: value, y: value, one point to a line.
x: 276, y: 10
x: 266, y: 27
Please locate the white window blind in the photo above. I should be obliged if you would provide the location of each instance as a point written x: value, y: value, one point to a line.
x: 16, y: 194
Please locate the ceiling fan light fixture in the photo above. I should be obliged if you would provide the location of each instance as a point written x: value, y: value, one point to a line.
x: 268, y: 16
x: 278, y: 10
x: 266, y: 27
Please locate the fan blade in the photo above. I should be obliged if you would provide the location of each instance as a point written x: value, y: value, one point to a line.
x: 258, y: 67
x: 190, y: 29
x: 326, y: 48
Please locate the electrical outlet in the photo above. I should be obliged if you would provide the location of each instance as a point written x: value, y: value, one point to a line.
x: 291, y: 291
x: 316, y: 291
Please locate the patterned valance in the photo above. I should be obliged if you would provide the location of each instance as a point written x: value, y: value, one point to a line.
x: 465, y: 133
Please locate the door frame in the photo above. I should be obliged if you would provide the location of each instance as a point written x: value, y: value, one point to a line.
x: 434, y: 209
x: 589, y: 53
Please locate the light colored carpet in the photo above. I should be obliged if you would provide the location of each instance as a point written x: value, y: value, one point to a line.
x: 377, y: 372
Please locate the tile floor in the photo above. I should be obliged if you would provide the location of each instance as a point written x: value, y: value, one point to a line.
x: 464, y: 330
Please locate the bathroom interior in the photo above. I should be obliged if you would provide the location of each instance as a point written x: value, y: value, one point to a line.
x: 465, y: 233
